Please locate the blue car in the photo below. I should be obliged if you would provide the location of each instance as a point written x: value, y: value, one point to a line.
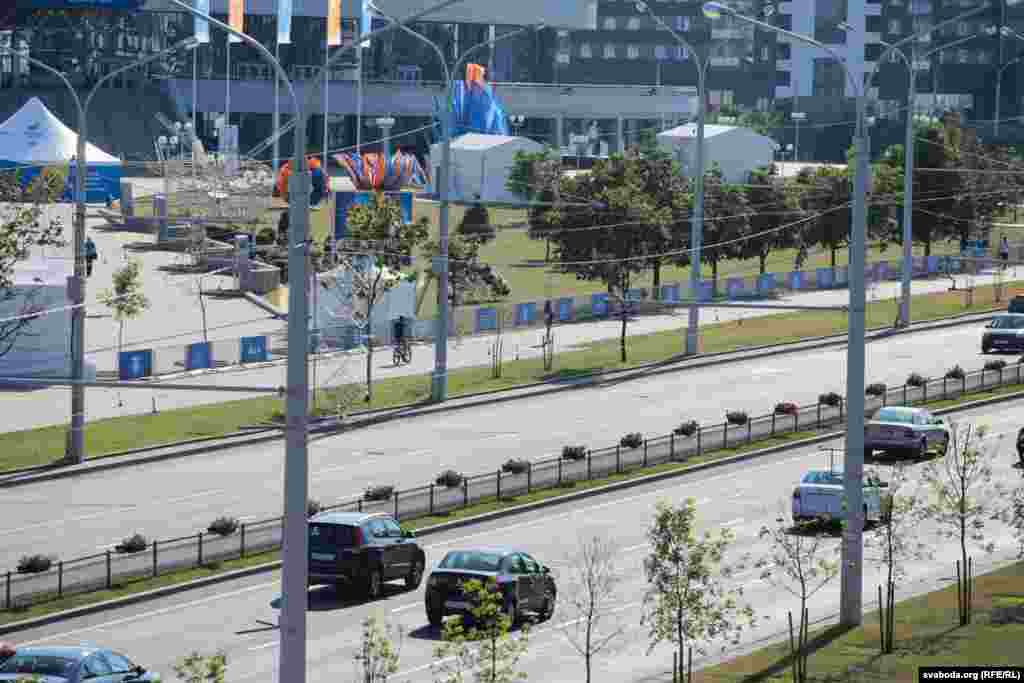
x: 72, y: 665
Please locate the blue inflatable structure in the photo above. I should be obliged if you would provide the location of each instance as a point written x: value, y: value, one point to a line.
x: 475, y: 109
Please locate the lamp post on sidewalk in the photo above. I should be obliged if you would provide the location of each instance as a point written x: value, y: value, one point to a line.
x: 439, y: 383
x: 76, y: 436
x: 697, y: 222
x: 851, y: 601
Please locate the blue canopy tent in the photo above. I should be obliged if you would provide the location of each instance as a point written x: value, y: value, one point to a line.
x: 33, y: 138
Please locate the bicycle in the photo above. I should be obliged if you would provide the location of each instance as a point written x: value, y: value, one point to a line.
x: 402, y: 354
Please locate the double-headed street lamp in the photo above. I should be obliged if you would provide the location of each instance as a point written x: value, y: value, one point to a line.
x: 907, y: 270
x: 439, y: 382
x: 76, y: 436
x: 851, y: 602
x: 697, y: 222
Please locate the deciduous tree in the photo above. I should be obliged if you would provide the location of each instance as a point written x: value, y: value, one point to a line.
x: 771, y: 206
x: 534, y: 177
x: 378, y: 655
x: 476, y: 224
x: 376, y: 274
x: 726, y: 221
x: 688, y: 602
x: 197, y: 668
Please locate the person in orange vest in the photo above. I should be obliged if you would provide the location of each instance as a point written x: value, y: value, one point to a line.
x: 318, y: 178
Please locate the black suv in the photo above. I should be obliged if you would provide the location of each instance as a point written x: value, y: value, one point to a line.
x: 363, y: 549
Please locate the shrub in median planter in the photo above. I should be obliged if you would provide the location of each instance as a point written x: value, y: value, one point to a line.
x: 223, y: 526
x: 955, y: 372
x: 916, y: 380
x: 379, y: 492
x: 736, y: 417
x: 574, y: 452
x: 632, y: 440
x: 313, y: 507
x: 132, y: 544
x: 516, y: 466
x: 995, y: 364
x: 449, y: 478
x: 786, y: 408
x: 688, y: 428
x: 876, y: 389
x: 830, y: 399
x: 33, y: 564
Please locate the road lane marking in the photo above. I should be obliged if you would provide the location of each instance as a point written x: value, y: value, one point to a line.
x: 733, y: 522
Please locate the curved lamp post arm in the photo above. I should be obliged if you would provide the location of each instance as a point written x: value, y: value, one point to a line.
x: 700, y: 64
x: 497, y: 39
x: 395, y: 23
x: 187, y: 44
x: 46, y: 67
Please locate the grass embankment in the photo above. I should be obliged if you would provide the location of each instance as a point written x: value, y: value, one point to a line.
x: 129, y: 586
x: 45, y: 445
x: 926, y: 634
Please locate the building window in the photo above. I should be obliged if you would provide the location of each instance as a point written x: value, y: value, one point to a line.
x: 585, y: 51
x: 963, y: 28
x: 609, y: 23
x: 895, y: 27
x: 963, y: 56
x: 681, y: 23
x: 766, y: 53
x: 660, y: 52
x: 609, y: 51
x: 633, y: 24
x: 633, y: 51
x: 762, y: 104
x: 680, y: 53
x: 984, y: 57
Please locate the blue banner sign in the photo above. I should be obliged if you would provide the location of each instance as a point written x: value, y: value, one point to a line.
x: 526, y: 313
x: 599, y: 305
x: 253, y: 349
x: 135, y: 364
x: 766, y: 282
x: 734, y: 287
x: 486, y: 319
x: 565, y: 308
x: 823, y: 278
x: 199, y: 356
x: 670, y: 293
x: 706, y: 292
x: 933, y: 264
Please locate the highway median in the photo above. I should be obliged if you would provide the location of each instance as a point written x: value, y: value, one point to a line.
x: 86, y: 583
x: 43, y: 447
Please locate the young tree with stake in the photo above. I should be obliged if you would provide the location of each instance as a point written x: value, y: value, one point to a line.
x: 591, y: 600
x: 800, y: 562
x: 376, y: 274
x: 893, y: 542
x: 125, y: 298
x: 688, y: 602
x: 486, y: 651
x: 963, y: 498
x: 377, y: 656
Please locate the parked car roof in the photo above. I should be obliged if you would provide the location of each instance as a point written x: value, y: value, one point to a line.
x: 346, y: 518
x: 66, y: 651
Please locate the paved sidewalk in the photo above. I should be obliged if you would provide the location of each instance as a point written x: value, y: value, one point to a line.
x: 25, y: 410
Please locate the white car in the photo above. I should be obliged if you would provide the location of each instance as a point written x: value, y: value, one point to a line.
x: 910, y: 430
x: 819, y: 495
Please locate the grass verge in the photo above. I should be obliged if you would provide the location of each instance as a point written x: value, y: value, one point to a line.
x: 44, y: 445
x: 129, y: 586
x: 926, y: 634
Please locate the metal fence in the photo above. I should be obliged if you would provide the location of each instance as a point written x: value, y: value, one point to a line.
x: 108, y: 569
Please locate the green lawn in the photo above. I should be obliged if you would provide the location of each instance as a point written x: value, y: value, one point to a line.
x: 45, y: 445
x: 926, y: 634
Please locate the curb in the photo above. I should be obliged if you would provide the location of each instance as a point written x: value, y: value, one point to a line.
x: 492, y: 397
x: 476, y: 519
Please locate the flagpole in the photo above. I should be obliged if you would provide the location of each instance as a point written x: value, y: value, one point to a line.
x: 277, y: 108
x: 327, y: 85
x: 359, y: 100
x: 227, y: 94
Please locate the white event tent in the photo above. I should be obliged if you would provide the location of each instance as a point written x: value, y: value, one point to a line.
x: 33, y: 138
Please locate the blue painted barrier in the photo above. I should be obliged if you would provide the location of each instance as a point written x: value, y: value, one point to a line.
x: 253, y: 349
x: 135, y: 364
x: 199, y: 356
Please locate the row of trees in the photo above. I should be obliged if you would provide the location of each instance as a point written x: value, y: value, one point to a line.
x: 631, y: 214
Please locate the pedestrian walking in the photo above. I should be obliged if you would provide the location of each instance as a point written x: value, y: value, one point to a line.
x: 90, y: 255
x: 1004, y: 251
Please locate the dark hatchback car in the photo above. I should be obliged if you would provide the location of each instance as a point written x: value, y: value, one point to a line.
x: 354, y: 548
x: 525, y: 584
x: 1004, y: 333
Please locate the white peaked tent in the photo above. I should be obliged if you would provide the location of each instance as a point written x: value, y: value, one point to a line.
x: 481, y: 165
x: 33, y: 138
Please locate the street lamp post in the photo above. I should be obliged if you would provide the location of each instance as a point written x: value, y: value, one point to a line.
x: 797, y: 116
x: 697, y: 223
x: 851, y: 601
x: 76, y: 438
x: 294, y: 561
x: 439, y: 382
x: 1007, y: 32
x: 386, y: 123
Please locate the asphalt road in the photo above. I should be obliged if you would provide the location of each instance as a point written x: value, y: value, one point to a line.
x: 239, y: 617
x: 82, y: 515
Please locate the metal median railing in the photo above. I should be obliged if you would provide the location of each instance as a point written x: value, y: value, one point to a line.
x: 111, y: 568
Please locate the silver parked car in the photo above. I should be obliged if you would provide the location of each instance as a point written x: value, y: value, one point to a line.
x: 913, y: 430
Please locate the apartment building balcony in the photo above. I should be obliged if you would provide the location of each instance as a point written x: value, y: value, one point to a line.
x: 731, y: 33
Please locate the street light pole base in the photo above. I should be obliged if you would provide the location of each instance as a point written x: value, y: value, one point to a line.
x: 691, y: 343
x: 438, y: 389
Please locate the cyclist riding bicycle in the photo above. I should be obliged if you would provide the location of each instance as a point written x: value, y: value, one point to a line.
x: 403, y: 353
